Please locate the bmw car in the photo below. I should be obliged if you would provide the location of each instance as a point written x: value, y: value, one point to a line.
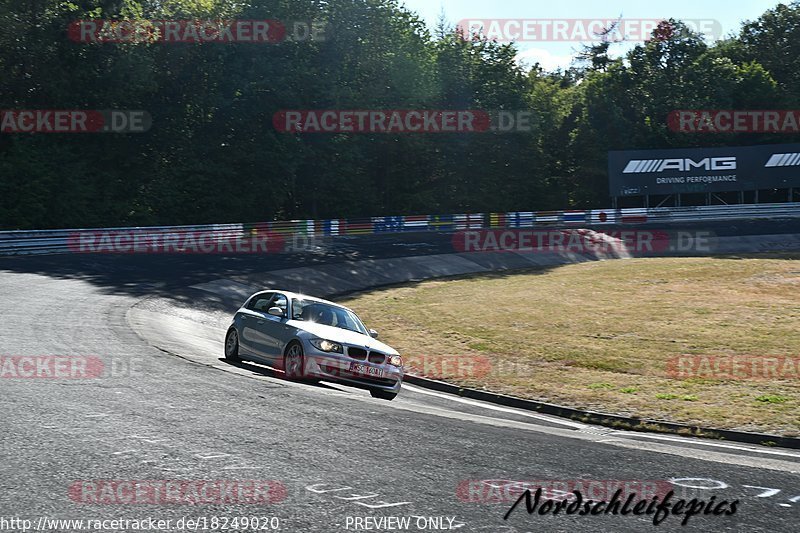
x: 312, y: 339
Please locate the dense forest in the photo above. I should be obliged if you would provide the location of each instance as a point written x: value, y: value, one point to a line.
x: 212, y: 153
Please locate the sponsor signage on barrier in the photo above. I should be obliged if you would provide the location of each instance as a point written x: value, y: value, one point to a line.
x: 633, y: 215
x: 547, y: 218
x: 469, y: 221
x: 520, y: 219
x: 299, y: 235
x: 441, y: 222
x: 575, y: 217
x: 693, y: 170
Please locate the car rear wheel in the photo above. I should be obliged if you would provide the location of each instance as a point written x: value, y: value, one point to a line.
x: 232, y: 345
x: 294, y: 362
x: 383, y: 394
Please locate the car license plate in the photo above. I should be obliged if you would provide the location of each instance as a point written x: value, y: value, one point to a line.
x: 358, y: 368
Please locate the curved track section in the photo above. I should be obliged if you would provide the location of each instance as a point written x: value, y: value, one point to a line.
x: 339, y: 454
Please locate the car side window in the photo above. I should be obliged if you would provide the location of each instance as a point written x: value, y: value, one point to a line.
x: 261, y: 302
x: 297, y: 309
x: 279, y: 300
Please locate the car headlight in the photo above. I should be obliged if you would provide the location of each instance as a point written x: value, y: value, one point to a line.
x: 396, y: 360
x: 326, y: 345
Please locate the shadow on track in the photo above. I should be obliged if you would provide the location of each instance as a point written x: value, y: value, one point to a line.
x: 274, y: 373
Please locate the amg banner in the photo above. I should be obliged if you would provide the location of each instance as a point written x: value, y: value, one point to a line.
x: 693, y: 170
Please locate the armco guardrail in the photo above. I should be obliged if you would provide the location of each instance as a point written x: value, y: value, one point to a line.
x: 269, y: 236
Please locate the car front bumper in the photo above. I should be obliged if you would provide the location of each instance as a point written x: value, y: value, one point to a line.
x: 338, y: 367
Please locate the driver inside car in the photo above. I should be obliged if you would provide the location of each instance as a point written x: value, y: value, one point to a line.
x: 325, y: 317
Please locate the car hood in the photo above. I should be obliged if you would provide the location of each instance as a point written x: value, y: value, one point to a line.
x: 342, y: 335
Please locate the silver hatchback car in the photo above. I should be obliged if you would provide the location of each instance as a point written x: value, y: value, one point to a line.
x: 313, y: 339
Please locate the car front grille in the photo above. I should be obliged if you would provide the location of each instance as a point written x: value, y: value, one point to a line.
x: 361, y: 354
x: 377, y: 357
x: 357, y: 353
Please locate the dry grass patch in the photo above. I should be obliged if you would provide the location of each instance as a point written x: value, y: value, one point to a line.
x: 599, y: 335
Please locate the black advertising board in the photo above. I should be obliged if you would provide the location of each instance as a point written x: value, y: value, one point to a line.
x: 693, y: 170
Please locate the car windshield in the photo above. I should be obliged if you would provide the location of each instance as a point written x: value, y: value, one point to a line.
x: 329, y: 315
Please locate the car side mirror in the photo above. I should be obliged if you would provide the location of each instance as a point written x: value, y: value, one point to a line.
x: 275, y: 311
x: 373, y: 334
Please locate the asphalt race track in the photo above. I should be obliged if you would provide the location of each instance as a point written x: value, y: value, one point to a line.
x: 333, y: 454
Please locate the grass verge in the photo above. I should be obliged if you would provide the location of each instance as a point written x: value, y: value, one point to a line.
x: 605, y: 336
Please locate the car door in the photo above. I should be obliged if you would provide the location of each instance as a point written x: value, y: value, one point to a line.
x: 272, y: 329
x: 252, y: 319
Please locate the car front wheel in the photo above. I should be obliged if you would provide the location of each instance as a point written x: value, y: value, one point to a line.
x: 293, y: 361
